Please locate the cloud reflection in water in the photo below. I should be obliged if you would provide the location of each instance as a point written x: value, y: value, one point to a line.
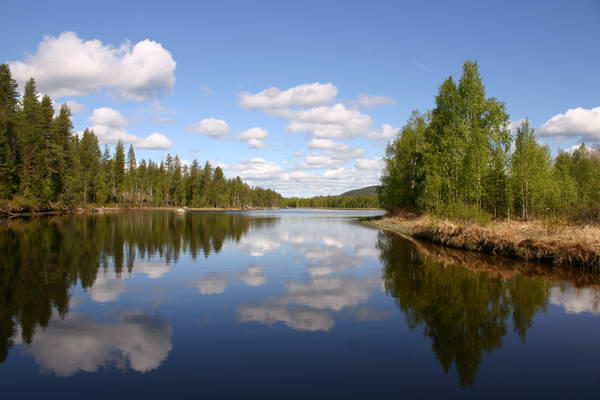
x: 81, y: 343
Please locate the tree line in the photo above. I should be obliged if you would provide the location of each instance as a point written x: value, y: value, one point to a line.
x: 354, y: 201
x: 461, y: 160
x: 42, y: 161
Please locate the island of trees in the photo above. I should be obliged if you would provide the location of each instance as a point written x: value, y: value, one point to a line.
x: 45, y: 165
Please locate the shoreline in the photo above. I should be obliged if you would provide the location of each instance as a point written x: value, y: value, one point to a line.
x: 12, y: 213
x: 572, y: 246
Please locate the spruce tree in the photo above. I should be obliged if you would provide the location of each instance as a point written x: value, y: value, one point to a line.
x: 194, y: 184
x: 29, y: 137
x: 9, y: 158
x: 131, y: 179
x: 119, y: 172
x: 61, y: 137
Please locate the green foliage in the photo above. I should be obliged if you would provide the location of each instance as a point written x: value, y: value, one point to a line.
x: 9, y: 158
x: 359, y: 201
x: 456, y: 161
x: 43, y: 161
x: 465, y: 213
x: 532, y: 183
x: 465, y: 144
x: 403, y: 176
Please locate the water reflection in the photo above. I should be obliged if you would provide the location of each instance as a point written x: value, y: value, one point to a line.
x: 328, y: 293
x: 300, y: 318
x: 328, y: 250
x: 576, y: 300
x: 42, y: 259
x: 466, y: 312
x: 107, y: 289
x: 253, y: 276
x: 77, y: 342
x: 325, y: 275
x: 305, y: 304
x: 214, y: 283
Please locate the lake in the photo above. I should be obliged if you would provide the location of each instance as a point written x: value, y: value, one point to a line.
x: 279, y: 304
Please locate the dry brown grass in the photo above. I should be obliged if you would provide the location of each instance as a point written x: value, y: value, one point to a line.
x: 550, y: 242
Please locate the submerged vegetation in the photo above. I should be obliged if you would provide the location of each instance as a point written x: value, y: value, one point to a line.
x: 45, y: 165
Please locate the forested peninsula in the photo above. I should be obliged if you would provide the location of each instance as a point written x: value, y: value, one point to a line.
x: 46, y: 166
x: 458, y: 176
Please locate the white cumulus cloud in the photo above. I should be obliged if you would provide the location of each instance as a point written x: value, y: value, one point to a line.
x: 67, y: 65
x: 110, y: 126
x: 108, y: 117
x: 369, y: 163
x: 211, y: 127
x: 574, y: 123
x: 371, y: 101
x: 331, y: 154
x: 254, y: 137
x: 318, y: 161
x: 297, y: 181
x: 514, y: 125
x: 338, y: 173
x: 254, y: 133
x: 335, y: 121
x: 254, y: 168
x: 74, y: 106
x: 326, y: 144
x: 302, y: 95
x: 387, y: 132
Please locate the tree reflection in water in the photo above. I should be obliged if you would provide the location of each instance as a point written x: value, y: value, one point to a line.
x: 41, y: 259
x: 465, y: 312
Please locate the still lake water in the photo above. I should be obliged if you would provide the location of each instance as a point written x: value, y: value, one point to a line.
x: 280, y: 304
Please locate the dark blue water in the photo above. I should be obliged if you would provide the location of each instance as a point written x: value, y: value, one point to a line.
x: 278, y: 304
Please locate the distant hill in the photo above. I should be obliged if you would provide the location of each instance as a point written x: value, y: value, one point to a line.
x: 361, y: 191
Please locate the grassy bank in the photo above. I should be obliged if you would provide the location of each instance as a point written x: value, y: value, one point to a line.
x: 537, y: 241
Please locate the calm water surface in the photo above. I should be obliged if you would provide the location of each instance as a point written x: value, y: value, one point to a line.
x: 281, y: 304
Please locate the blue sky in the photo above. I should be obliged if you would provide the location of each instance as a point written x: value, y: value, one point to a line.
x: 347, y: 75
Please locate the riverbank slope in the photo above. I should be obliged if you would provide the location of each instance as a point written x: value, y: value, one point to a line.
x: 556, y: 244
